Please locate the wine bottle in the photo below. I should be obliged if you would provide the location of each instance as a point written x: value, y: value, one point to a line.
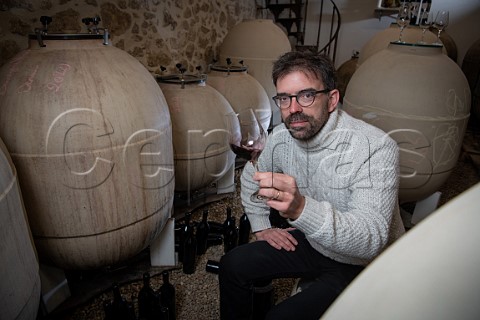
x: 147, y: 299
x: 215, y: 227
x: 214, y: 240
x: 178, y: 235
x: 212, y: 266
x: 230, y: 232
x: 108, y: 309
x: 130, y: 314
x: 189, y: 251
x: 159, y: 312
x: 276, y: 220
x: 186, y: 229
x: 120, y: 308
x: 163, y: 315
x: 203, y: 229
x: 167, y: 295
x: 244, y: 229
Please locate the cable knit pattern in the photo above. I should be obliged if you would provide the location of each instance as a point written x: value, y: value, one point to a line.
x: 348, y: 174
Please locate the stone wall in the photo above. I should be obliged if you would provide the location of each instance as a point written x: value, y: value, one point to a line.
x: 156, y: 32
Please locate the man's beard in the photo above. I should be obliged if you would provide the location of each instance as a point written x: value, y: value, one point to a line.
x: 306, y: 133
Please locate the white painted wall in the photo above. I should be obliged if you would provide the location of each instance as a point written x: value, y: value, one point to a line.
x: 359, y: 24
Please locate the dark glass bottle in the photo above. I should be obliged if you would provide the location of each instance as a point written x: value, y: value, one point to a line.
x: 167, y: 296
x: 203, y: 229
x: 120, y: 309
x: 130, y: 315
x: 212, y: 266
x: 230, y: 232
x: 276, y: 220
x: 214, y: 240
x: 147, y: 299
x: 189, y: 251
x: 164, y: 315
x: 185, y: 230
x: 244, y: 229
x: 216, y: 227
x: 107, y: 308
x: 159, y: 312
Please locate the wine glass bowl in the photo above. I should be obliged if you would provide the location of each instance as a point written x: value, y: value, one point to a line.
x: 246, y: 137
x: 424, y: 24
x: 440, y: 23
x: 403, y: 20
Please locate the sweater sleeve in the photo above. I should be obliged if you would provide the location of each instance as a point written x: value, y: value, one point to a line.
x: 258, y: 213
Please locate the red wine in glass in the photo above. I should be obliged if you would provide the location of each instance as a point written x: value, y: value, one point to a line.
x: 246, y: 138
x: 247, y: 153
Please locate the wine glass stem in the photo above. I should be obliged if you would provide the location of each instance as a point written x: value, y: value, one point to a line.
x: 401, y: 35
x: 255, y: 197
x: 438, y: 35
x: 254, y: 164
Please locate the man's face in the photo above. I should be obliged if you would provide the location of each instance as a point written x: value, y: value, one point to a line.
x: 305, y: 122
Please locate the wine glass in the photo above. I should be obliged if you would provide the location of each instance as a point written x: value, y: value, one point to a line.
x: 424, y: 23
x: 441, y: 22
x: 403, y: 19
x: 247, y: 138
x: 414, y: 12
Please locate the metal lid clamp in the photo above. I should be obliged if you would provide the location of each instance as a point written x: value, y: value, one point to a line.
x: 92, y: 26
x: 182, y: 73
x: 182, y: 79
x: 45, y: 20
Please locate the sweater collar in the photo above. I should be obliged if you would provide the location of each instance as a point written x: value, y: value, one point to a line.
x: 324, y: 137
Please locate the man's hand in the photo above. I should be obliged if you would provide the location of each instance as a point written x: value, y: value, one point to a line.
x: 278, y: 238
x: 282, y: 192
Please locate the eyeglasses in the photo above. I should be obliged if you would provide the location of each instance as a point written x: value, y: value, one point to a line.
x: 304, y: 98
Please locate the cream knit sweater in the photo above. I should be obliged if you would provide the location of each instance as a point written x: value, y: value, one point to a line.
x: 348, y: 174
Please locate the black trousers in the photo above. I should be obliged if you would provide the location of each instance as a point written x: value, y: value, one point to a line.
x: 242, y: 268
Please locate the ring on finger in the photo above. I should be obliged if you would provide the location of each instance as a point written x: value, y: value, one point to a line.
x: 277, y: 195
